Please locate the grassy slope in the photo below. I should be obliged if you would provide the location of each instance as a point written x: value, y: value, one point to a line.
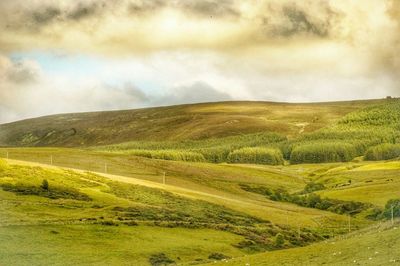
x: 214, y: 180
x: 220, y: 183
x: 196, y: 121
x: 374, y: 246
x: 40, y: 231
x: 100, y: 245
x: 374, y: 182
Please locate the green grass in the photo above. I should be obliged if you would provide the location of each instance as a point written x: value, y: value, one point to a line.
x: 123, y: 205
x: 195, y: 219
x: 220, y: 183
x: 109, y: 205
x: 109, y: 245
x: 374, y: 246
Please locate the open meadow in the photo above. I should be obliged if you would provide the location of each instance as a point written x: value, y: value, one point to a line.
x: 311, y: 191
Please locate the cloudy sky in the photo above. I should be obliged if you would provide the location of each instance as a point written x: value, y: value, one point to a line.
x: 86, y: 55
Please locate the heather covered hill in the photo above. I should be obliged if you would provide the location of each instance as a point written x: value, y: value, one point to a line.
x: 183, y: 122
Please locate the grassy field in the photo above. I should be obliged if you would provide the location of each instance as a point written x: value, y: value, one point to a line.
x: 155, y: 215
x: 100, y: 245
x: 217, y: 183
x: 378, y: 245
x: 250, y: 183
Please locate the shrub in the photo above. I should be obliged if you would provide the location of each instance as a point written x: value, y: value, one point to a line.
x: 160, y: 259
x: 45, y: 184
x: 256, y: 155
x: 383, y: 152
x: 279, y: 240
x: 218, y: 256
x: 311, y: 187
x: 387, y: 212
x: 53, y: 193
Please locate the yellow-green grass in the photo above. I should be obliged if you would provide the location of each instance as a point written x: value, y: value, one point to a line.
x: 379, y: 245
x: 210, y: 182
x: 371, y: 182
x: 110, y: 245
x: 44, y: 228
x: 196, y: 121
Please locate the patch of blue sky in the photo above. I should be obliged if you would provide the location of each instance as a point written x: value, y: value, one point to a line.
x: 113, y: 72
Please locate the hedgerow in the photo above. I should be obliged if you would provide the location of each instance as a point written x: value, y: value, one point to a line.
x: 256, y: 155
x: 173, y: 155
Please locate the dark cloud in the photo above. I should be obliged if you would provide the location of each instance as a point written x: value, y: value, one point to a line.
x: 217, y: 8
x: 82, y: 11
x: 294, y: 20
x: 146, y: 6
x: 301, y: 23
x: 22, y: 72
x: 46, y: 16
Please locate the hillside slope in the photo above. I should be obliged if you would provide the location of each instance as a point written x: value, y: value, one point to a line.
x: 196, y: 121
x: 378, y: 245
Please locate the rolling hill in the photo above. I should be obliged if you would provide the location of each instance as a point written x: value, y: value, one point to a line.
x: 183, y: 122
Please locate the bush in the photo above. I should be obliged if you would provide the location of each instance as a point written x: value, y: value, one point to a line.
x: 256, y: 155
x: 45, y: 184
x: 387, y: 212
x: 53, y: 193
x: 160, y: 259
x: 311, y: 187
x: 279, y: 240
x: 383, y: 152
x: 218, y: 256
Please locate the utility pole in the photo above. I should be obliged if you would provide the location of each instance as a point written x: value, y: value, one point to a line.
x: 392, y: 214
x: 7, y: 154
x: 105, y: 168
x: 164, y: 178
x: 51, y: 159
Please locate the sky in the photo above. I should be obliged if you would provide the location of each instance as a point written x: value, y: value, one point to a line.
x: 85, y: 55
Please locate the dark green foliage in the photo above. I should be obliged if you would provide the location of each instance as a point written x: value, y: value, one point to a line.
x: 279, y: 240
x: 385, y: 151
x: 52, y: 193
x: 312, y: 187
x: 310, y: 200
x: 218, y: 256
x: 350, y: 137
x: 173, y: 155
x: 395, y: 204
x: 256, y: 155
x: 215, y: 150
x: 257, y: 189
x: 160, y: 259
x: 45, y: 184
x: 109, y: 223
x: 386, y: 115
